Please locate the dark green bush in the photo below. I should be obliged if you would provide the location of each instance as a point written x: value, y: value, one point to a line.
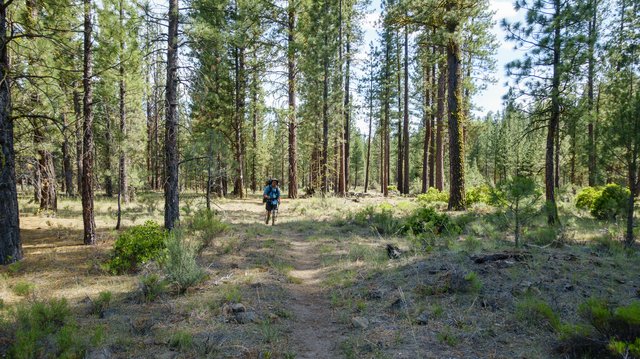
x: 380, y: 218
x: 607, y: 332
x: 136, y: 246
x: 479, y: 194
x: 208, y: 225
x: 587, y: 197
x: 611, y: 203
x: 428, y: 220
x: 181, y: 266
x: 433, y: 195
x: 46, y: 329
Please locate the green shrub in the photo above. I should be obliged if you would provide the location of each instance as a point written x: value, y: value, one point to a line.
x: 534, y: 311
x: 607, y: 332
x: 101, y: 303
x: 380, y: 218
x: 136, y: 246
x: 45, y: 329
x: 587, y: 197
x: 479, y: 194
x: 433, y: 195
x: 541, y: 236
x: 392, y: 188
x: 611, y: 203
x: 23, y: 289
x: 208, y: 225
x: 181, y: 340
x: 428, y: 220
x: 181, y: 266
x: 152, y: 287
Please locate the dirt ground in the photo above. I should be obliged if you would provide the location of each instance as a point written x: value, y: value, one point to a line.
x: 318, y: 285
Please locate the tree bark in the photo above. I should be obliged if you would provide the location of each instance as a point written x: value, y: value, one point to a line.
x: 238, y: 186
x: 77, y: 109
x: 552, y: 211
x: 439, y: 163
x: 10, y: 245
x: 405, y: 126
x: 400, y: 156
x: 87, y: 127
x: 123, y: 193
x: 325, y: 122
x: 66, y: 158
x: 367, y: 169
x: 171, y: 190
x: 456, y: 123
x: 108, y: 181
x: 293, y: 127
x: 427, y: 129
x: 48, y: 193
x: 592, y: 38
x: 347, y: 105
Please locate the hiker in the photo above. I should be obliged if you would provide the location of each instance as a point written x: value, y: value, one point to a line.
x: 271, y: 197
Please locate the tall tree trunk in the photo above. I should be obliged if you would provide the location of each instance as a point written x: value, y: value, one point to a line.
x: 123, y: 193
x: 427, y: 129
x: 400, y: 156
x: 10, y: 245
x: 456, y: 123
x: 48, y: 193
x: 77, y: 109
x: 108, y: 182
x: 439, y: 163
x: 367, y: 169
x: 325, y: 123
x: 66, y: 158
x: 552, y: 211
x: 87, y: 128
x: 591, y: 146
x: 238, y: 186
x: 293, y: 127
x: 171, y: 190
x: 405, y: 125
x: 347, y: 105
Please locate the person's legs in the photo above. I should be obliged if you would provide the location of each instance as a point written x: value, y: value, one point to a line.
x: 268, y: 215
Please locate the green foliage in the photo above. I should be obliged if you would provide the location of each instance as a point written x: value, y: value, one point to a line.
x: 518, y: 195
x: 607, y: 332
x: 478, y: 194
x: 181, y: 340
x: 587, y: 197
x: 152, y: 287
x: 101, y: 303
x: 474, y: 282
x: 611, y: 203
x: 392, y: 188
x: 136, y: 246
x: 432, y: 196
x: 46, y: 329
x: 428, y: 220
x: 208, y: 225
x: 534, y: 311
x: 380, y: 218
x: 541, y: 236
x: 181, y: 266
x: 23, y: 289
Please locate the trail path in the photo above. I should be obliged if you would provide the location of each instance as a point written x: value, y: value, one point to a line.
x: 313, y: 330
x: 315, y: 333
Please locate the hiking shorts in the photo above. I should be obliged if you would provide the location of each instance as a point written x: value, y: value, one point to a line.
x: 271, y: 206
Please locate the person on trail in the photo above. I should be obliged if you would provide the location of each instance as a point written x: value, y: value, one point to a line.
x: 271, y: 197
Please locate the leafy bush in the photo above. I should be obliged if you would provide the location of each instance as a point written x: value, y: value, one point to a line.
x: 479, y: 194
x: 433, y: 195
x: 611, y: 203
x: 428, y: 220
x: 392, y: 188
x: 136, y: 246
x: 152, y: 286
x: 534, y: 311
x: 101, y: 303
x: 181, y: 266
x: 46, y: 329
x: 208, y: 225
x: 23, y: 289
x: 587, y: 197
x: 379, y: 218
x: 607, y: 332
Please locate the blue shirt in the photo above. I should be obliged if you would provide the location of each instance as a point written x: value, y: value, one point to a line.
x: 273, y: 194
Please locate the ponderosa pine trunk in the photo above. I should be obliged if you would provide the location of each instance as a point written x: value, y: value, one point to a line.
x: 367, y: 169
x: 456, y: 122
x: 400, y: 150
x: 171, y: 190
x: 238, y: 185
x: 325, y: 123
x: 293, y: 127
x: 550, y: 181
x: 427, y: 129
x: 347, y: 107
x: 439, y: 161
x: 405, y: 125
x: 591, y: 141
x: 123, y: 190
x: 10, y: 245
x: 77, y: 109
x: 87, y: 129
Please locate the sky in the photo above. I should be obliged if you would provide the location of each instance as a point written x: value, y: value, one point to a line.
x: 491, y: 98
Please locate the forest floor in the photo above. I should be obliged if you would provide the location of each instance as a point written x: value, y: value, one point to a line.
x: 319, y: 284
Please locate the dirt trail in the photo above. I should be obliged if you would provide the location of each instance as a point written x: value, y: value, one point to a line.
x: 314, y: 330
